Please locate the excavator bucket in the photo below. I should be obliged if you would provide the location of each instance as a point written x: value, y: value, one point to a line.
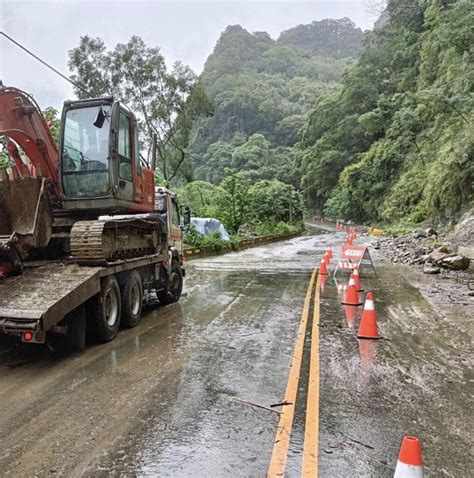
x: 25, y: 216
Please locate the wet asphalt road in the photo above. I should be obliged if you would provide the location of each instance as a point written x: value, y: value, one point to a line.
x: 158, y: 401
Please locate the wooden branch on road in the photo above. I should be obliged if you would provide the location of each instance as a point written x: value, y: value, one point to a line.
x: 253, y: 404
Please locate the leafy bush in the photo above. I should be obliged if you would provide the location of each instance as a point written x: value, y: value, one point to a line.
x: 277, y: 229
x: 193, y: 237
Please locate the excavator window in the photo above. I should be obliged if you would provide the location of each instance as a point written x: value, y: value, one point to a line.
x: 85, y: 151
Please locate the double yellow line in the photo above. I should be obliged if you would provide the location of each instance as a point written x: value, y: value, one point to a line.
x: 283, y: 434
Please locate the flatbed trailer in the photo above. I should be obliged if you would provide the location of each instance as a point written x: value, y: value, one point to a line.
x: 58, y: 297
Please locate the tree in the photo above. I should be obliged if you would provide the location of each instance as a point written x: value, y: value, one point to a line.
x: 200, y: 197
x: 232, y: 201
x: 52, y: 118
x: 166, y: 102
x: 274, y: 201
x: 252, y: 154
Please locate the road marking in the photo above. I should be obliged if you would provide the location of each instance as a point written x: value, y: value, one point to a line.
x: 282, y: 438
x: 311, y: 434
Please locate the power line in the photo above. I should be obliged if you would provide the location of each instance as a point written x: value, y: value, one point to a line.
x: 78, y: 86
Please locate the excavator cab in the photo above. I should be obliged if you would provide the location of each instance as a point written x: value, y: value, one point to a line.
x: 100, y: 165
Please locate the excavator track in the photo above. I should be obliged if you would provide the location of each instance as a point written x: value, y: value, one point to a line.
x: 109, y: 240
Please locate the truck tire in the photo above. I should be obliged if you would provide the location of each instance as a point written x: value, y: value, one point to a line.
x: 132, y: 300
x: 74, y: 340
x: 173, y: 287
x: 108, y: 310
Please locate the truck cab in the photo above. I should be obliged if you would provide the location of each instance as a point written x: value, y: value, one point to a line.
x: 175, y: 216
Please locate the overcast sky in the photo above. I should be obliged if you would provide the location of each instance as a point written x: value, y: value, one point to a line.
x: 185, y: 30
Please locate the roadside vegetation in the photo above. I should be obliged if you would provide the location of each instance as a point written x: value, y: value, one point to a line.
x: 246, y: 209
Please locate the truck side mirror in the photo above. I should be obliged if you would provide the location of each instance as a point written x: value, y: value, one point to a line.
x: 186, y: 212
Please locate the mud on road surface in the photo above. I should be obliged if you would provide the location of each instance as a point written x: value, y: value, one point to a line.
x: 160, y: 400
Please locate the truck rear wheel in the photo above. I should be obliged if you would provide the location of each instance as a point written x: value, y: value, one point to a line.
x: 173, y: 287
x: 132, y: 300
x: 108, y: 310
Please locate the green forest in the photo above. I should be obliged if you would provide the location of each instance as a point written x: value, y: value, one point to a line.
x: 394, y: 142
x: 374, y: 126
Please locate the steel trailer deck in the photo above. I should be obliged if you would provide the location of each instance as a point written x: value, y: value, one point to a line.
x: 46, y: 291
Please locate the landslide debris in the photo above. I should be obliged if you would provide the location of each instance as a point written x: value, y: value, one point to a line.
x: 422, y: 248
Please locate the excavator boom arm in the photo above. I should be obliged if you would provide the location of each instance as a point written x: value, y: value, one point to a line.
x: 22, y: 121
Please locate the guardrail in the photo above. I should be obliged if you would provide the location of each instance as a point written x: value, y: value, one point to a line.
x: 331, y: 223
x: 195, y: 252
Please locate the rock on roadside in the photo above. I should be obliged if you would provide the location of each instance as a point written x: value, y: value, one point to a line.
x: 416, y: 248
x: 457, y: 263
x: 429, y: 269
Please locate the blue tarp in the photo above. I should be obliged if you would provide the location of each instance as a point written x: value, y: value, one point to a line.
x: 208, y: 225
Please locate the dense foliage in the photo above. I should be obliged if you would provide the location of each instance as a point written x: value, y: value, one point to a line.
x: 257, y: 207
x: 261, y: 90
x: 395, y: 142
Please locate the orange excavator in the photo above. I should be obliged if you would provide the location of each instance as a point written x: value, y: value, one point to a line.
x: 84, y: 231
x: 50, y: 203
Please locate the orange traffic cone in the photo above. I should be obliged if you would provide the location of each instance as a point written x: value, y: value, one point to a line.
x: 355, y: 271
x: 322, y: 268
x: 330, y: 252
x: 352, y: 297
x: 368, y: 323
x: 410, y: 462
